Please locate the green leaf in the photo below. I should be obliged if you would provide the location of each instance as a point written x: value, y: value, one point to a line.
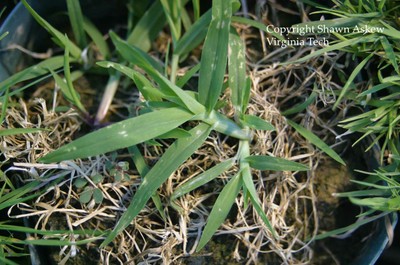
x: 175, y: 133
x: 237, y: 69
x: 97, y: 178
x: 120, y: 135
x: 220, y: 209
x: 274, y: 163
x: 257, y: 123
x: 67, y: 72
x: 315, y: 140
x: 258, y: 25
x: 76, y: 20
x: 97, y: 37
x: 59, y: 37
x: 214, y: 55
x: 302, y: 106
x: 173, y: 13
x: 189, y: 74
x: 86, y: 195
x: 193, y: 37
x: 80, y: 183
x: 15, y: 131
x: 4, y: 105
x: 32, y: 72
x: 175, y: 155
x: 201, y: 179
x: 353, y: 75
x: 148, y: 27
x: 390, y: 53
x: 98, y: 195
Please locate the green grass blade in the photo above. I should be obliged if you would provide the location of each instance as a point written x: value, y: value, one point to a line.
x: 257, y: 123
x: 237, y: 69
x: 15, y: 131
x: 390, y: 31
x: 7, y: 261
x: 350, y: 80
x: 274, y: 163
x: 4, y: 105
x: 220, y: 209
x: 214, y: 55
x: 32, y: 72
x: 390, y: 53
x: 172, y: 10
x: 76, y: 20
x: 302, y: 106
x: 189, y: 74
x: 315, y: 140
x: 96, y: 37
x: 175, y: 155
x: 61, y: 39
x: 148, y: 27
x: 143, y: 169
x: 202, y: 179
x: 333, y: 47
x: 353, y: 226
x: 248, y: 183
x: 120, y: 135
x: 193, y: 38
x: 258, y: 25
x: 67, y: 72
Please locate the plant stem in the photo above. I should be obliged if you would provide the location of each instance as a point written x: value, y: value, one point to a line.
x: 174, y: 67
x: 108, y: 96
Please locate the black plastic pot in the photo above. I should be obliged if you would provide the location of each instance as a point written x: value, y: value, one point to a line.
x: 21, y: 28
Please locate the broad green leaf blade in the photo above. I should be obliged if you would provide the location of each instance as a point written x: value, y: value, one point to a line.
x: 274, y: 163
x: 76, y: 20
x: 175, y: 155
x: 214, y: 55
x: 351, y: 78
x: 120, y: 135
x: 237, y: 69
x: 175, y: 133
x: 202, y: 178
x: 7, y: 132
x: 134, y: 55
x: 257, y: 123
x: 248, y: 183
x: 148, y: 27
x: 315, y: 140
x: 96, y: 37
x: 75, y: 50
x: 220, y: 209
x: 193, y: 38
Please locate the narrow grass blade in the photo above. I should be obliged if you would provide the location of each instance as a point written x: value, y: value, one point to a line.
x: 120, y: 135
x: 258, y: 25
x: 193, y: 38
x: 133, y: 55
x: 143, y: 169
x: 67, y: 72
x: 202, y: 179
x: 75, y: 50
x: 351, y: 78
x: 224, y: 125
x: 32, y: 72
x: 76, y: 20
x: 220, y: 209
x: 214, y: 55
x: 181, y: 82
x: 333, y: 47
x: 96, y: 37
x: 148, y: 27
x: 302, y: 106
x: 390, y: 53
x: 353, y: 226
x: 248, y: 183
x: 15, y: 131
x: 172, y: 10
x: 390, y: 31
x: 4, y: 106
x: 274, y: 163
x: 237, y: 69
x: 257, y: 123
x: 175, y: 155
x: 375, y: 89
x: 315, y: 140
